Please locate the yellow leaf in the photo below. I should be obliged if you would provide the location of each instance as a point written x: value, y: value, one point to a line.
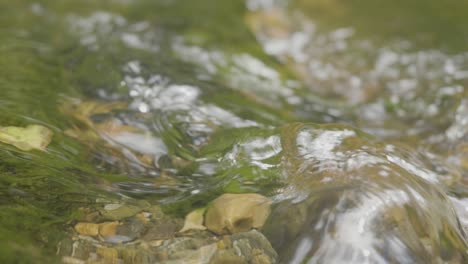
x: 194, y: 220
x: 27, y: 138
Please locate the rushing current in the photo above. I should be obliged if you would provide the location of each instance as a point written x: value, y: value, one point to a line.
x: 350, y: 116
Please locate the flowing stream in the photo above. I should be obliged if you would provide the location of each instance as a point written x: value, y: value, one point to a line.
x: 350, y: 116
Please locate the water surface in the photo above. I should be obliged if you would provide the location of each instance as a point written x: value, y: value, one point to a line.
x: 352, y: 115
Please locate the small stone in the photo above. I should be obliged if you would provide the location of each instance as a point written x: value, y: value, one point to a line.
x: 253, y: 243
x: 72, y: 260
x: 162, y: 230
x: 201, y: 255
x: 118, y: 239
x: 110, y: 207
x: 224, y: 243
x: 65, y: 247
x: 234, y: 213
x: 144, y: 217
x: 132, y: 228
x: 246, y: 247
x: 108, y: 255
x: 227, y: 257
x: 103, y: 200
x: 91, y: 217
x: 156, y: 243
x: 121, y: 212
x: 88, y: 215
x: 129, y: 255
x: 108, y: 229
x: 156, y: 212
x: 261, y: 259
x: 87, y: 229
x: 82, y: 249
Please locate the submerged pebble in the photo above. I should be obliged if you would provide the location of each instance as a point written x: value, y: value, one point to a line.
x: 157, y: 238
x: 245, y: 247
x: 87, y: 229
x: 108, y: 229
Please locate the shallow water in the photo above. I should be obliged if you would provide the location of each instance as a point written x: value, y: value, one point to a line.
x: 351, y: 115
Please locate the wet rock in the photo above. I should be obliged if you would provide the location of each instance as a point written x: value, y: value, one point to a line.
x: 108, y: 255
x: 156, y: 212
x: 153, y: 225
x: 350, y: 198
x: 119, y: 211
x: 186, y: 249
x: 200, y: 255
x: 161, y: 226
x: 138, y: 255
x: 201, y: 247
x: 83, y: 249
x: 111, y: 207
x: 129, y: 230
x: 87, y: 229
x: 108, y: 229
x: 144, y: 217
x: 65, y: 247
x: 228, y: 257
x: 234, y: 213
x: 164, y: 229
x: 246, y: 247
x: 89, y: 215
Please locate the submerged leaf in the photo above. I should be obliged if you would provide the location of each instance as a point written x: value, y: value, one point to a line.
x: 235, y: 213
x: 194, y: 220
x: 83, y: 110
x: 27, y: 138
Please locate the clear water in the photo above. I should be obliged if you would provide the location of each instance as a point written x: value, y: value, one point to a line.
x: 351, y: 115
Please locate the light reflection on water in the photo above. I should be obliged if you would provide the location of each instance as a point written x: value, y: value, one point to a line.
x: 395, y: 86
x: 357, y: 201
x: 340, y: 196
x: 103, y: 24
x: 399, y: 92
x: 369, y: 212
x: 241, y: 71
x: 351, y: 193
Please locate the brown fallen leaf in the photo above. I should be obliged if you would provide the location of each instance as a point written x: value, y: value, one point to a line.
x: 194, y: 221
x: 235, y: 213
